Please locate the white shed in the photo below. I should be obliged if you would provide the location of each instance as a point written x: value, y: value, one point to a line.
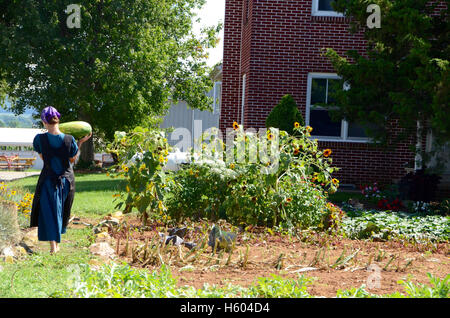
x: 19, y: 141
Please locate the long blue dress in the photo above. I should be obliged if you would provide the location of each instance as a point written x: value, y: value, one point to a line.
x: 52, y: 198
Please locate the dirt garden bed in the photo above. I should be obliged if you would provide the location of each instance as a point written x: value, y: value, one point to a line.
x: 334, y: 262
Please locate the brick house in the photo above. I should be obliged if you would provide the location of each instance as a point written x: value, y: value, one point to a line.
x: 273, y: 48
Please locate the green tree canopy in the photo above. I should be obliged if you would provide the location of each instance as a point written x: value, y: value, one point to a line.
x: 284, y: 115
x: 404, y: 74
x: 123, y: 65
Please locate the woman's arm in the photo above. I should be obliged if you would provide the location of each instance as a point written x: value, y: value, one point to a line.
x: 80, y: 143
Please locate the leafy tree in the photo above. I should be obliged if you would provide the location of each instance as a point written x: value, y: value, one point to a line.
x: 119, y: 69
x: 403, y: 75
x: 284, y: 115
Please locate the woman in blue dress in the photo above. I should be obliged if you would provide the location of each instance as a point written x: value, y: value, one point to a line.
x: 56, y: 185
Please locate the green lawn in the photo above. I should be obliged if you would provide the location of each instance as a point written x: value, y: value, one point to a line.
x: 93, y: 197
x: 45, y: 275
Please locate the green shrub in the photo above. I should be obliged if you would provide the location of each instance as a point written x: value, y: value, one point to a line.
x: 388, y: 225
x: 284, y: 115
x: 116, y: 281
x: 278, y: 287
x: 287, y: 187
x: 199, y: 191
x: 141, y: 155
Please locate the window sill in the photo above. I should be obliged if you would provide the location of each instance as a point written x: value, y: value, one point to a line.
x: 329, y: 18
x: 327, y: 14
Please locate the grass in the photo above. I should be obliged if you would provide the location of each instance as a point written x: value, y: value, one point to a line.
x: 44, y: 275
x: 123, y: 281
x: 93, y: 196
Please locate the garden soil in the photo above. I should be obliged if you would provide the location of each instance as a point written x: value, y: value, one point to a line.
x: 334, y: 262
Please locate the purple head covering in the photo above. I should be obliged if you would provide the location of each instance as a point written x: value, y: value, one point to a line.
x: 48, y: 113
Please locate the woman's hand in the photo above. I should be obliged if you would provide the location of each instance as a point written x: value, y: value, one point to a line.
x: 85, y: 138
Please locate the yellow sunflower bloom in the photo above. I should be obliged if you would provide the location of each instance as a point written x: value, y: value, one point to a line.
x: 327, y: 152
x: 235, y: 126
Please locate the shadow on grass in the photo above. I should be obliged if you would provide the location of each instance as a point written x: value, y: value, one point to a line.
x: 99, y: 185
x: 82, y: 184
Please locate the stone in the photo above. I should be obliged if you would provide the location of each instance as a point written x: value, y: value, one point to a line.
x: 181, y: 232
x: 189, y: 245
x: 305, y: 269
x: 102, y: 249
x: 9, y: 259
x: 225, y: 240
x: 106, y: 224
x: 118, y: 215
x: 21, y: 251
x: 174, y: 239
x: 31, y: 237
x: 7, y: 251
x: 102, y: 237
x: 26, y: 247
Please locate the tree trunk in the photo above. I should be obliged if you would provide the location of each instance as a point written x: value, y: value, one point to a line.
x: 87, y: 149
x: 87, y: 152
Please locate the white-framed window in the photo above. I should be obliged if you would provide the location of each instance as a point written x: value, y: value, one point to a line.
x: 217, y: 97
x: 324, y: 8
x: 318, y: 92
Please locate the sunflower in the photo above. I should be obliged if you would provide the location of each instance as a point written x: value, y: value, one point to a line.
x: 231, y: 165
x: 235, y: 126
x: 297, y: 125
x: 335, y: 181
x: 289, y: 200
x: 269, y: 136
x: 327, y: 152
x: 309, y: 129
x: 296, y: 151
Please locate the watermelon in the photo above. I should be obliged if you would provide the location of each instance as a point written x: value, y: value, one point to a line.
x: 77, y: 129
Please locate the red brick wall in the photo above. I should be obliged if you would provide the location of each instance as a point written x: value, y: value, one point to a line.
x: 276, y: 48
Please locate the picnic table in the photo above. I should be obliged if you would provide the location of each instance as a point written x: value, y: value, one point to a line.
x: 15, y: 162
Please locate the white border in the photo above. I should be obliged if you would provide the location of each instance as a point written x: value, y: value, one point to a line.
x: 344, y: 123
x: 319, y: 13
